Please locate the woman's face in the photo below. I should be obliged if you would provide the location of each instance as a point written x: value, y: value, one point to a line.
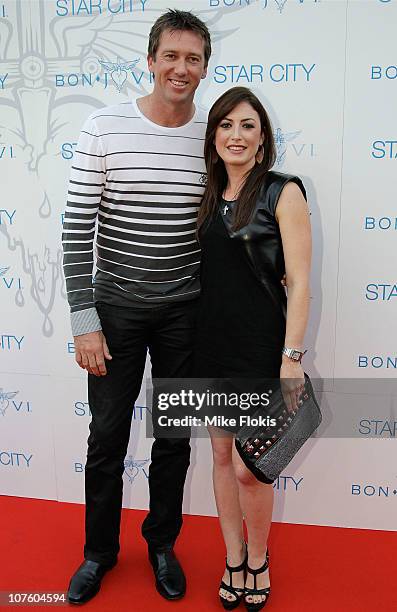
x: 238, y: 136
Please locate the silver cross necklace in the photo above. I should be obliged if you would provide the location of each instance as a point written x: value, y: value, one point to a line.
x: 227, y: 206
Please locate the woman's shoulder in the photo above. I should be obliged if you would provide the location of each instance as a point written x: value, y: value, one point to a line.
x: 273, y: 185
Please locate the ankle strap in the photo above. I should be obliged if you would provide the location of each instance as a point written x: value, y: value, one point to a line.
x: 237, y: 568
x: 241, y: 567
x: 255, y: 572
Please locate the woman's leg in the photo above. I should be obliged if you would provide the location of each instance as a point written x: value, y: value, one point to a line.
x: 256, y: 501
x: 228, y: 505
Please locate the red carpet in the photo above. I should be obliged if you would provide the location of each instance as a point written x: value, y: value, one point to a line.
x: 313, y: 569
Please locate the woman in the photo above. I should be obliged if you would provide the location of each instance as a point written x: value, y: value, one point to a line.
x: 254, y: 228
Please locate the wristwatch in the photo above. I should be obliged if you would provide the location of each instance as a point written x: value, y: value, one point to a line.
x: 293, y: 354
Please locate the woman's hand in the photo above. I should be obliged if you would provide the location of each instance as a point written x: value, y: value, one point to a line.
x: 292, y: 380
x: 293, y: 218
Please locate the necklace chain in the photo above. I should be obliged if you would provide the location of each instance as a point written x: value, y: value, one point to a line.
x: 227, y: 206
x: 236, y: 193
x: 234, y: 197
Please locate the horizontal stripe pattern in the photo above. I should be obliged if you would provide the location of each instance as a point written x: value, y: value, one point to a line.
x: 134, y: 191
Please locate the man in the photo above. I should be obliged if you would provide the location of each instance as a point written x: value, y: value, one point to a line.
x: 138, y: 174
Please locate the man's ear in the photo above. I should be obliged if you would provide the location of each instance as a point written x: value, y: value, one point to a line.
x: 204, y: 73
x: 150, y: 61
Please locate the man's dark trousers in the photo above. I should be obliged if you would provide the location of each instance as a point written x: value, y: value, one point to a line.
x: 167, y: 331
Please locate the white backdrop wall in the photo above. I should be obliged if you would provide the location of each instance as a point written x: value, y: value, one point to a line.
x: 325, y: 71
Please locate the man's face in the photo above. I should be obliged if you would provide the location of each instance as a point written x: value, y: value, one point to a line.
x: 179, y: 65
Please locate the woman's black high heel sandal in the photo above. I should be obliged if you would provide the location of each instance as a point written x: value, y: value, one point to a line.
x: 251, y: 606
x: 237, y: 592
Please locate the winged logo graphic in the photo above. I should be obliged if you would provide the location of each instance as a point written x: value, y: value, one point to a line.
x: 280, y: 4
x: 4, y: 271
x: 119, y: 71
x: 281, y: 140
x: 132, y: 467
x: 5, y: 397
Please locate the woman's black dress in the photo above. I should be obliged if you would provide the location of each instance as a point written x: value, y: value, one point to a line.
x: 241, y: 330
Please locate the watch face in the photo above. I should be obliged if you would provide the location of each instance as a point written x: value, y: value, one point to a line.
x: 293, y: 354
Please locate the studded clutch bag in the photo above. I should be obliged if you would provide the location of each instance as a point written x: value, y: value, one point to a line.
x: 266, y: 451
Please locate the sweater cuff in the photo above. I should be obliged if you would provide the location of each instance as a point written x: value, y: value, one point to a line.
x: 85, y: 321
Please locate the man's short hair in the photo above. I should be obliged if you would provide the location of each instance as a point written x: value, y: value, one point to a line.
x: 179, y: 20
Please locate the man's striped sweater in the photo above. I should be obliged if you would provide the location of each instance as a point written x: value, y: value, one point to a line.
x: 134, y: 191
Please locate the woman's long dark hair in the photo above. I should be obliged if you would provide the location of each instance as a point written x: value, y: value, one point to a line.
x: 216, y: 172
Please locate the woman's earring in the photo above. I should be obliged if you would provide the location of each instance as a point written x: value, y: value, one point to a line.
x: 259, y: 154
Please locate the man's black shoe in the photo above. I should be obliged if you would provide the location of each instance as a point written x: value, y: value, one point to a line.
x: 170, y: 579
x: 86, y: 582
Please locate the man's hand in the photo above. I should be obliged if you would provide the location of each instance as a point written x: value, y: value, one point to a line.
x: 91, y: 351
